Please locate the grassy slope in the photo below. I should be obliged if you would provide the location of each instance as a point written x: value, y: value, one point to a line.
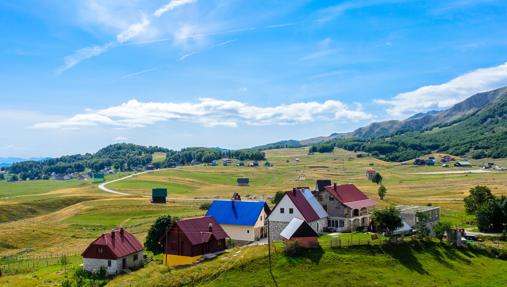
x: 402, y: 265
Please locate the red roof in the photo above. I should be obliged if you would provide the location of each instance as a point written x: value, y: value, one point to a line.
x: 349, y: 195
x: 302, y: 205
x: 113, y: 245
x: 197, y: 229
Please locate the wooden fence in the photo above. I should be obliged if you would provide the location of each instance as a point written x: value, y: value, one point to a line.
x: 11, y: 265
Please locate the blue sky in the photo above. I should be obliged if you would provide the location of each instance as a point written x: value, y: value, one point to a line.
x: 78, y: 75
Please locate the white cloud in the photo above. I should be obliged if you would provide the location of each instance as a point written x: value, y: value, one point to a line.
x: 81, y: 55
x: 447, y: 94
x: 208, y: 112
x: 171, y: 6
x: 133, y: 30
x: 104, y: 16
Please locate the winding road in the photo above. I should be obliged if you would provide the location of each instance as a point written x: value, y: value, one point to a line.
x: 103, y: 187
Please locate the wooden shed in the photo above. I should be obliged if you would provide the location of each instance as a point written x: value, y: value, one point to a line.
x: 159, y: 195
x: 300, y: 232
x: 187, y: 240
x: 243, y: 181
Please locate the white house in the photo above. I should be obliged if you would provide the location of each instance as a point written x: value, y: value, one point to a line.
x: 243, y: 221
x: 115, y: 252
x: 298, y: 203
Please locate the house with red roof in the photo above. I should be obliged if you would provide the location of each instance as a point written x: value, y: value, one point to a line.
x: 116, y: 252
x: 349, y: 209
x: 298, y: 203
x: 188, y: 240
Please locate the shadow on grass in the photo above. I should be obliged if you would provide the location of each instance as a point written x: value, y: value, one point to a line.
x: 302, y: 254
x: 404, y: 254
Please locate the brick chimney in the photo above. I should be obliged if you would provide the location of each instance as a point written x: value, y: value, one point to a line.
x: 210, y: 227
x: 113, y: 233
x: 294, y: 190
x: 122, y: 231
x: 335, y: 186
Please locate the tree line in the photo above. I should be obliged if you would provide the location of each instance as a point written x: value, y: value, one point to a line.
x: 124, y: 157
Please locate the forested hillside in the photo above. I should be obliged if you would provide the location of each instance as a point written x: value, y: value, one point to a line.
x: 124, y: 157
x: 480, y: 134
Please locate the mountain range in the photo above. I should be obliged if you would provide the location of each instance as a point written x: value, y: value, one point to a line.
x: 475, y: 127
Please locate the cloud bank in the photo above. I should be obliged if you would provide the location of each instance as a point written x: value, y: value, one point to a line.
x: 207, y: 112
x: 447, y: 94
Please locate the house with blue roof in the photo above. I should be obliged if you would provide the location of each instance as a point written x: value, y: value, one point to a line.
x: 243, y: 221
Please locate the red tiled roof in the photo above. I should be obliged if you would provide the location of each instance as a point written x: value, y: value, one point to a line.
x: 346, y: 193
x: 302, y: 205
x: 113, y: 246
x: 197, y: 229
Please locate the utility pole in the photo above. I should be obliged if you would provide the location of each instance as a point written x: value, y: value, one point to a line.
x: 269, y: 254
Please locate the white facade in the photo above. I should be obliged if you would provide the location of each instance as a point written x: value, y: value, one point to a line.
x: 114, y: 266
x: 247, y: 232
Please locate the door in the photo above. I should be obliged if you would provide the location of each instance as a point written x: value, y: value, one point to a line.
x: 124, y: 263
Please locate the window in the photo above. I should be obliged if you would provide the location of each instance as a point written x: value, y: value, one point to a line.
x: 282, y: 210
x: 248, y: 231
x: 325, y: 207
x: 100, y: 250
x: 355, y: 212
x: 108, y: 263
x: 291, y: 210
x: 341, y: 223
x: 331, y: 198
x: 135, y: 257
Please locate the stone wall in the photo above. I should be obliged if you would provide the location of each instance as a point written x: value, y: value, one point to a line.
x: 275, y: 228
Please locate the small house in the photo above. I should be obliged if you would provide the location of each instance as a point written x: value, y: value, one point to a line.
x: 254, y: 164
x: 409, y: 214
x: 188, y: 240
x: 243, y: 221
x: 159, y: 195
x: 236, y: 196
x: 98, y: 177
x: 241, y: 163
x: 116, y: 252
x: 462, y: 164
x: 369, y: 174
x: 301, y: 233
x: 243, y: 181
x: 149, y: 167
x: 298, y: 203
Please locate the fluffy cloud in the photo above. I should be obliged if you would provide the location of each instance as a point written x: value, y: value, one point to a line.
x: 208, y: 112
x: 447, y: 94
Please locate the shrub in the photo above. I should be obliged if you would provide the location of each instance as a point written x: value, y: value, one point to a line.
x: 205, y: 206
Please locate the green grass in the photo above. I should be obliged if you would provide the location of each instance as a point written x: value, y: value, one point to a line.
x: 159, y: 157
x: 428, y: 264
x: 9, y: 190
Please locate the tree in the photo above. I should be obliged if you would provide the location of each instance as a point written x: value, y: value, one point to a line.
x: 13, y: 178
x: 2, y: 176
x: 440, y: 229
x: 382, y: 191
x: 377, y: 178
x: 157, y: 230
x: 388, y: 219
x: 421, y: 226
x: 278, y: 196
x: 478, y: 197
x: 205, y: 206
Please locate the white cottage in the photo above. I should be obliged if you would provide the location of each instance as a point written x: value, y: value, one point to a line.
x: 298, y: 203
x: 115, y: 252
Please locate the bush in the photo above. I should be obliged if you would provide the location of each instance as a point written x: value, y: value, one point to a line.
x: 157, y: 230
x: 205, y: 206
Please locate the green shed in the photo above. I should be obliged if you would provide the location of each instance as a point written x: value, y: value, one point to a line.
x: 158, y: 195
x: 98, y: 178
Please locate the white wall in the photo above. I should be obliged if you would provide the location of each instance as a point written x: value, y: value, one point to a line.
x: 285, y: 203
x: 94, y: 265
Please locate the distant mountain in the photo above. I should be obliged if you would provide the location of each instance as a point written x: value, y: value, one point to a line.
x: 474, y: 127
x: 280, y: 144
x: 8, y: 161
x: 427, y: 120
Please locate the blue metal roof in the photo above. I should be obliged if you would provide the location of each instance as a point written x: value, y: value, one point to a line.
x: 236, y: 212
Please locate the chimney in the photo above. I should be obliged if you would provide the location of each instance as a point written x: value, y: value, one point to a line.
x: 122, y: 231
x: 335, y: 187
x: 294, y: 190
x: 113, y: 233
x: 210, y: 227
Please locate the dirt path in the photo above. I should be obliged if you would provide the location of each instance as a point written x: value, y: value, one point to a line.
x: 453, y: 172
x: 103, y: 187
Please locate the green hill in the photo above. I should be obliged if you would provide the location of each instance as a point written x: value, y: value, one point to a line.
x: 407, y: 264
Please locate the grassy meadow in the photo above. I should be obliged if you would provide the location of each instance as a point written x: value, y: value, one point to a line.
x: 38, y: 218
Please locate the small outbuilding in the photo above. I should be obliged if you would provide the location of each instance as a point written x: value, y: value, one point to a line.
x: 370, y: 174
x: 300, y: 232
x: 462, y: 164
x: 159, y: 195
x: 243, y: 181
x: 98, y: 177
x: 188, y: 240
x: 116, y: 252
